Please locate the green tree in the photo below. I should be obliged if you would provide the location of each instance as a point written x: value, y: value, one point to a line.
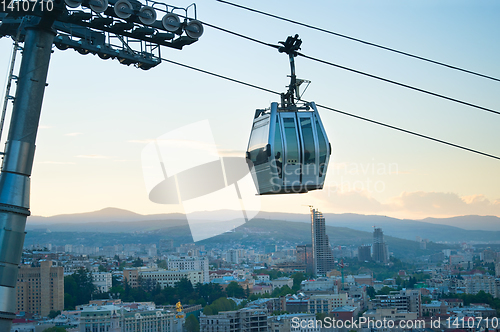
x: 192, y: 324
x: 426, y: 299
x: 283, y: 291
x: 53, y: 314
x: 115, y: 281
x: 160, y: 299
x: 399, y: 281
x: 222, y: 304
x: 78, y: 288
x: 102, y: 268
x: 385, y: 291
x: 55, y: 329
x: 185, y: 291
x: 162, y: 264
x: 297, y: 280
x: 209, y: 292
x: 371, y: 292
x: 138, y: 262
x: 235, y: 290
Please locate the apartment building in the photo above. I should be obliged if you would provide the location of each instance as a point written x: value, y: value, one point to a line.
x: 103, y: 281
x: 163, y: 277
x: 112, y: 318
x: 40, y: 289
x: 403, y: 301
x: 476, y: 283
x: 186, y: 263
x: 243, y: 320
x: 325, y: 303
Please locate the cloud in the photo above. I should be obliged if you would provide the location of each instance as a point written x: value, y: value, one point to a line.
x: 141, y: 141
x: 231, y: 153
x: 440, y: 204
x: 72, y: 134
x: 44, y: 127
x: 443, y: 204
x: 92, y: 156
x: 350, y: 201
x: 56, y: 162
x: 418, y: 204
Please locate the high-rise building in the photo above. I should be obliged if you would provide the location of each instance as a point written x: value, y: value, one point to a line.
x: 305, y: 257
x: 270, y: 248
x: 364, y: 253
x: 166, y: 245
x: 322, y: 254
x: 233, y: 256
x: 380, y: 250
x: 40, y: 289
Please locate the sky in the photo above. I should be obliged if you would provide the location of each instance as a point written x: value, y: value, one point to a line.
x: 98, y: 115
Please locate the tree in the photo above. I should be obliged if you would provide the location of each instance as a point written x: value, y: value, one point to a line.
x: 370, y: 291
x: 209, y: 292
x: 222, y: 304
x: 78, y: 288
x: 138, y: 262
x: 102, y: 268
x: 162, y: 264
x: 426, y: 299
x: 55, y: 329
x: 384, y: 291
x: 160, y: 299
x: 399, y: 281
x: 192, y: 324
x: 184, y: 291
x: 53, y: 314
x: 297, y: 280
x: 148, y: 284
x: 115, y: 281
x: 235, y: 290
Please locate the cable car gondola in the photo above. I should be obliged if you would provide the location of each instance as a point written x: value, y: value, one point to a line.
x: 288, y: 149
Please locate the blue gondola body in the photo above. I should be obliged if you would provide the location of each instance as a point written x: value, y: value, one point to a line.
x: 288, y: 149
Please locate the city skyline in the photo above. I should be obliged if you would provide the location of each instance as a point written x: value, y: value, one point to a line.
x: 93, y: 129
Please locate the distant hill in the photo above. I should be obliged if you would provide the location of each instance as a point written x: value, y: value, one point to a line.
x: 104, y: 215
x: 111, y: 220
x: 485, y: 223
x: 257, y: 233
x: 440, y: 230
x: 280, y: 232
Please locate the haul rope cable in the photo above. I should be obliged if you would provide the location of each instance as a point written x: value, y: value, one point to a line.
x: 360, y: 72
x: 362, y: 41
x: 336, y: 110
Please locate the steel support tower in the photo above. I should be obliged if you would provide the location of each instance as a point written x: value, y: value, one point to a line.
x: 90, y: 27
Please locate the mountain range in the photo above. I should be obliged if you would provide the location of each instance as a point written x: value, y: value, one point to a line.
x: 113, y: 220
